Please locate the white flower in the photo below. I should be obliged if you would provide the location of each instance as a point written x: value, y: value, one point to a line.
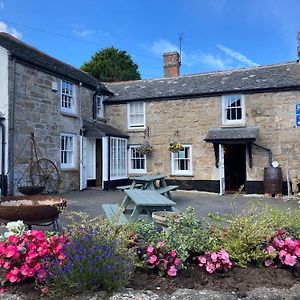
x: 17, y: 227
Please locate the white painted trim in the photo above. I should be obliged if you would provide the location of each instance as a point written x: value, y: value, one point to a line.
x: 182, y: 172
x: 139, y: 126
x: 136, y: 171
x: 73, y: 109
x: 91, y: 158
x: 71, y: 165
x: 240, y: 122
x: 221, y: 169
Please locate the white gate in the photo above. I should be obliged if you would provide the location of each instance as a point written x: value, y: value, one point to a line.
x: 221, y: 169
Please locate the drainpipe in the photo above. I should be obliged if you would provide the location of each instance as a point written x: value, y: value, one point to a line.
x: 3, y: 176
x: 12, y: 131
x: 266, y: 149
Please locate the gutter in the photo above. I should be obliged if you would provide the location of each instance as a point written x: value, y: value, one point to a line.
x: 12, y: 131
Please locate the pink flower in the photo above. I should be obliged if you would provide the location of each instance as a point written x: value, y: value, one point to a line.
x: 290, y: 259
x: 152, y: 259
x: 173, y: 253
x: 172, y: 271
x: 41, y: 274
x: 176, y: 261
x: 150, y: 250
x: 13, y: 275
x: 11, y: 250
x: 202, y: 259
x: 210, y: 268
x: 13, y: 239
x: 270, y: 249
x: 282, y: 253
x: 297, y: 252
x: 268, y: 262
x: 214, y: 257
x: 279, y: 243
x: 6, y: 265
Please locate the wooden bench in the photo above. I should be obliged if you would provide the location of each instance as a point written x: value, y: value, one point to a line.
x: 114, y: 213
x: 166, y: 190
x: 127, y: 187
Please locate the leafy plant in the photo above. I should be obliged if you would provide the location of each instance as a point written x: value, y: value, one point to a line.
x: 97, y: 258
x: 145, y: 148
x: 158, y: 258
x: 186, y: 235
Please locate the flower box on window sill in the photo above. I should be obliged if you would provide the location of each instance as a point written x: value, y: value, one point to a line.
x: 175, y: 147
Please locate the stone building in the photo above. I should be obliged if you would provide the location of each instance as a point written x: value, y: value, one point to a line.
x: 228, y: 125
x: 62, y: 106
x: 232, y: 124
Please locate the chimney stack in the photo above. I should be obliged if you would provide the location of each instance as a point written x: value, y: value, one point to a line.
x: 171, y: 64
x: 298, y: 48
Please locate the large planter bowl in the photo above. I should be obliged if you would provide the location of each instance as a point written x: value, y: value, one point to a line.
x: 31, y: 189
x: 31, y: 208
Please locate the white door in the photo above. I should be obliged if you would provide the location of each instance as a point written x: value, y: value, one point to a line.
x: 83, y: 168
x: 221, y: 169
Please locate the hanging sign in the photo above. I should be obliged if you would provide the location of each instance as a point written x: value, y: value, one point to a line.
x: 297, y: 115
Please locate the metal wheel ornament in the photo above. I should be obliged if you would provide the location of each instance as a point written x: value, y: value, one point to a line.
x: 44, y: 172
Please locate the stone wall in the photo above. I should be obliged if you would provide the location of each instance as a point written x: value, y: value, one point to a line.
x: 189, y: 120
x: 37, y: 109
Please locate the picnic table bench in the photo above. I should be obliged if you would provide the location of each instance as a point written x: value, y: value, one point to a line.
x: 115, y: 213
x: 146, y: 200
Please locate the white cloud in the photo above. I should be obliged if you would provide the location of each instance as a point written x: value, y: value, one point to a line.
x: 237, y: 56
x: 14, y: 32
x: 83, y: 32
x: 209, y: 59
x: 161, y: 46
x: 1, y: 4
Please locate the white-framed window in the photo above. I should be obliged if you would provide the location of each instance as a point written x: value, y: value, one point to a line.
x: 68, y: 97
x: 136, y: 114
x: 67, y: 150
x: 233, y: 110
x: 182, y: 161
x: 118, y: 158
x: 99, y: 107
x: 137, y: 161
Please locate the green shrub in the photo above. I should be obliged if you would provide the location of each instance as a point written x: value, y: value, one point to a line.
x: 186, y: 235
x: 97, y: 258
x: 246, y: 233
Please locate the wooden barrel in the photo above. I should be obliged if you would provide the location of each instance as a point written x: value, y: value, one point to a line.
x: 273, y: 180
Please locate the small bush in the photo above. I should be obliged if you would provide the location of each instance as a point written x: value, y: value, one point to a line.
x: 97, y: 259
x: 186, y: 236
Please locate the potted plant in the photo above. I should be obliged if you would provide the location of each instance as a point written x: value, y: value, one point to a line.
x: 175, y: 147
x: 146, y: 148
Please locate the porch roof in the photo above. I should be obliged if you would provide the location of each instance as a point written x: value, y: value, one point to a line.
x: 237, y: 135
x: 96, y: 129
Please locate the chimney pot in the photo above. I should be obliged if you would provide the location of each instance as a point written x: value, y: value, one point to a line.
x: 171, y: 64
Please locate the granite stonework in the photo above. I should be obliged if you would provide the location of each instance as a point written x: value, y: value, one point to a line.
x: 37, y: 110
x: 188, y: 121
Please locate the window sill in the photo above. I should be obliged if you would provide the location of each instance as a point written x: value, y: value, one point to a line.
x: 136, y: 130
x: 233, y: 125
x: 69, y: 114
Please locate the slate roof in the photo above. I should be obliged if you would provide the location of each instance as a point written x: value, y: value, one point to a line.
x: 221, y: 135
x: 96, y: 129
x: 33, y: 56
x: 283, y: 76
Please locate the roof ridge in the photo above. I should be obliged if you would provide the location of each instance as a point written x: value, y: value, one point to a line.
x: 14, y: 39
x: 204, y: 73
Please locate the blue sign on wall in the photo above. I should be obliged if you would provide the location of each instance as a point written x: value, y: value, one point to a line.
x: 297, y: 109
x: 298, y: 120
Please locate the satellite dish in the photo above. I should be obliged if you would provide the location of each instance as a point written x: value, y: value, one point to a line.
x: 275, y: 164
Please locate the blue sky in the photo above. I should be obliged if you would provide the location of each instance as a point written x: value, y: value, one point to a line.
x: 217, y: 34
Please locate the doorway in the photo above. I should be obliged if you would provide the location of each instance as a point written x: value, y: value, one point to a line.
x: 99, y: 176
x: 235, y: 167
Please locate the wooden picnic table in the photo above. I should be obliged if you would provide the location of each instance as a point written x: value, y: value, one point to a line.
x: 151, y: 182
x: 145, y: 200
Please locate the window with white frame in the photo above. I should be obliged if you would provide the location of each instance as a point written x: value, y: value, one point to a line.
x: 99, y: 107
x: 68, y: 97
x: 136, y: 115
x: 182, y: 161
x: 67, y: 150
x: 118, y: 158
x: 233, y: 110
x: 137, y: 161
